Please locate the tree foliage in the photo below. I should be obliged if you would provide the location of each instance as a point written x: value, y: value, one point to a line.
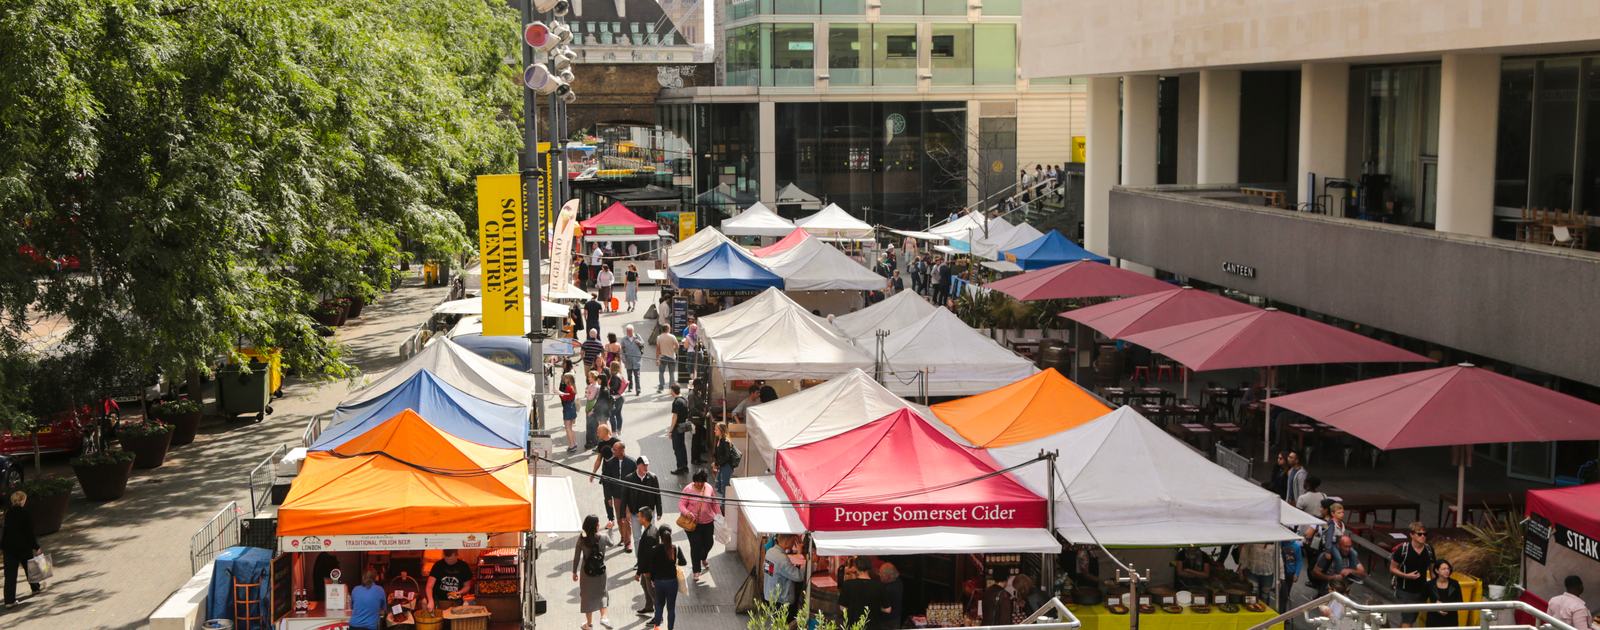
x: 218, y: 167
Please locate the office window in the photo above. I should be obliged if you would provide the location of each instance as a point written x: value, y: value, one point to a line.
x: 743, y: 8
x: 1513, y: 139
x: 790, y: 7
x: 744, y: 55
x: 849, y: 63
x: 791, y: 54
x: 844, y: 7
x: 1402, y: 103
x: 901, y: 7
x: 995, y: 53
x: 1554, y: 134
x: 1002, y: 7
x: 944, y: 7
x: 894, y: 54
x: 951, y: 52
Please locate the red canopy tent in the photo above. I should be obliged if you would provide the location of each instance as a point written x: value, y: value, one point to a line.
x: 1571, y: 518
x: 1460, y: 405
x: 900, y: 472
x: 1266, y: 338
x: 784, y: 244
x: 618, y: 220
x: 1080, y: 279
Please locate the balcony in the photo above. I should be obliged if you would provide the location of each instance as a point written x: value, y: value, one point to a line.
x: 1533, y: 305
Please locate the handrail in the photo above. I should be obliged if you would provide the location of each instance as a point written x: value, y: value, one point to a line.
x: 219, y: 533
x: 1355, y: 611
x: 259, y: 501
x: 312, y: 433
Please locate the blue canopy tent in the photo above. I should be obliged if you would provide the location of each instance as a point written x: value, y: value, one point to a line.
x: 441, y: 404
x: 1048, y: 251
x: 725, y: 268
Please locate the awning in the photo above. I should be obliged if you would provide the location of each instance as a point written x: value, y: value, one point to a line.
x: 925, y: 236
x: 1081, y: 279
x: 616, y: 222
x: 1150, y: 311
x: 957, y: 359
x: 557, y: 511
x: 793, y: 238
x: 461, y: 368
x: 843, y: 403
x: 900, y: 310
x: 1002, y: 266
x: 441, y: 405
x: 1265, y: 337
x: 814, y: 265
x: 833, y: 223
x: 1049, y: 250
x: 775, y: 517
x: 1040, y: 405
x: 725, y: 268
x: 757, y: 220
x: 901, y: 542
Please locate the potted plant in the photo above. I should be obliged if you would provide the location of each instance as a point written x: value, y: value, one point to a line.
x: 148, y: 441
x: 103, y: 474
x: 1493, y: 553
x: 47, y: 503
x: 184, y: 416
x: 332, y: 312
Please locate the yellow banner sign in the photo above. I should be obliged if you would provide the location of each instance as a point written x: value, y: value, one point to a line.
x: 1080, y: 148
x: 500, y: 228
x: 686, y: 226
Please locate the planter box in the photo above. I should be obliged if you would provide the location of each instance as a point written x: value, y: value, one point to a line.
x: 103, y: 482
x: 149, y: 451
x: 184, y: 427
x: 48, y: 512
x: 356, y: 304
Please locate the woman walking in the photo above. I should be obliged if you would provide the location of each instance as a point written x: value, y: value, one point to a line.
x: 613, y: 351
x: 605, y: 280
x: 724, y: 457
x: 631, y: 284
x: 569, y: 410
x: 1445, y: 590
x: 662, y: 566
x: 591, y: 402
x: 699, y: 503
x: 19, y: 544
x: 589, y: 559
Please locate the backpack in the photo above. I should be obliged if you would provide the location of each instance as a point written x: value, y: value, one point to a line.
x: 594, y: 562
x: 737, y: 458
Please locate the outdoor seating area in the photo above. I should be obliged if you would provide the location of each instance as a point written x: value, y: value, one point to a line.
x: 1553, y: 226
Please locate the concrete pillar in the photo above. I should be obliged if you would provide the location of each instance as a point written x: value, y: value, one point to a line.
x: 1469, y: 110
x: 767, y: 122
x: 1102, y: 156
x: 1139, y: 122
x: 1218, y: 131
x: 1324, y: 122
x: 1188, y: 126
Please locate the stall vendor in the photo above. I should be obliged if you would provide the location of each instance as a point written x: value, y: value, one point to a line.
x: 448, y: 580
x: 1193, y: 568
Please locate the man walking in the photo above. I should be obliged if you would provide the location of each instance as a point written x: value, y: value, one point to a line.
x: 591, y: 311
x: 680, y: 428
x: 632, y: 353
x: 1410, y: 563
x: 666, y: 358
x: 643, y: 491
x: 1295, y: 479
x: 592, y: 349
x: 648, y: 530
x: 613, y: 471
x: 1338, y: 563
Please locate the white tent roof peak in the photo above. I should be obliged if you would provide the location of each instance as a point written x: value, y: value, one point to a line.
x: 766, y: 304
x: 814, y: 265
x: 461, y: 368
x: 693, y: 247
x: 960, y: 361
x: 832, y: 222
x: 846, y: 402
x: 895, y: 313
x: 791, y: 193
x: 757, y: 220
x: 790, y: 343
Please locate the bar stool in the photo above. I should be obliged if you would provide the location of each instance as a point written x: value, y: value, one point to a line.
x: 1141, y: 373
x: 1164, y: 372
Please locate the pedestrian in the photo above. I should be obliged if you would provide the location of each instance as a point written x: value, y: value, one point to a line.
x: 604, y: 401
x: 592, y: 349
x: 643, y: 489
x: 699, y: 503
x: 614, y: 471
x: 1444, y: 590
x: 1290, y: 551
x: 680, y: 429
x: 367, y: 601
x: 597, y: 257
x: 576, y: 316
x: 1279, y: 483
x: 781, y: 576
x: 861, y: 595
x: 1410, y: 563
x: 568, y: 393
x: 591, y: 410
x: 725, y: 458
x: 1338, y: 562
x: 589, y: 559
x: 663, y: 569
x: 752, y: 397
x: 19, y: 545
x: 1258, y: 563
x: 582, y: 265
x: 1334, y: 527
x: 666, y: 358
x: 631, y: 285
x: 1310, y: 501
x: 604, y: 450
x: 632, y: 354
x: 618, y: 386
x: 649, y: 530
x: 606, y: 279
x: 1568, y: 607
x: 893, y: 613
x: 1295, y: 478
x: 591, y: 311
x: 613, y: 350
x: 896, y: 283
x: 1028, y: 593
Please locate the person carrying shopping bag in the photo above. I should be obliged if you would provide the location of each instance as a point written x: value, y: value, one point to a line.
x: 19, y: 544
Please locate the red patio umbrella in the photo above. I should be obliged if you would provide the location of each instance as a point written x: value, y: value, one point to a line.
x: 1081, y: 279
x: 1266, y: 338
x: 1150, y: 311
x: 1457, y: 406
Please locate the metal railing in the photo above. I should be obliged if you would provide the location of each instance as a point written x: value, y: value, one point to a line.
x: 221, y: 532
x: 312, y: 432
x: 1053, y: 616
x: 1234, y: 462
x: 261, y: 480
x: 1359, y: 615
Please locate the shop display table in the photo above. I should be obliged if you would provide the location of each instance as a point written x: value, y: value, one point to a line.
x: 1097, y: 617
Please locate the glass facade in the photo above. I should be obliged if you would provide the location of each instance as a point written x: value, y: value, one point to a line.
x: 996, y: 59
x: 894, y: 54
x: 849, y: 62
x: 888, y: 163
x: 722, y: 169
x: 901, y: 7
x: 844, y: 7
x: 1401, y: 139
x: 743, y: 59
x: 1548, y: 137
x: 791, y: 55
x: 950, y: 51
x: 944, y: 7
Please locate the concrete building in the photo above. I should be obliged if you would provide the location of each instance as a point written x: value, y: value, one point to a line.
x: 1428, y: 169
x: 897, y: 110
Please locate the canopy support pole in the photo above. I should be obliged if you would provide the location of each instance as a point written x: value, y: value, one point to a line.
x: 1266, y: 419
x: 1049, y: 560
x: 1463, y: 457
x: 809, y: 547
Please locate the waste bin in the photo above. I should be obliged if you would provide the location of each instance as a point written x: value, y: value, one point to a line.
x: 274, y: 360
x: 240, y: 393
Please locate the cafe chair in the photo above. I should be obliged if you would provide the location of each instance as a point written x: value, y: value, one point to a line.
x: 1164, y: 371
x: 1141, y: 374
x: 1562, y: 236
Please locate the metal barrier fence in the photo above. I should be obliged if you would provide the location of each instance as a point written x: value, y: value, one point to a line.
x: 312, y: 432
x: 1349, y: 614
x: 1234, y: 462
x: 221, y: 532
x: 261, y: 480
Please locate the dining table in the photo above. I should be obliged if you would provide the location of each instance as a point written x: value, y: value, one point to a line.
x: 1360, y: 505
x: 1479, y: 503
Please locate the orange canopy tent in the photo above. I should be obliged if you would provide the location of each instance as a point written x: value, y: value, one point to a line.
x: 1040, y: 405
x: 405, y: 476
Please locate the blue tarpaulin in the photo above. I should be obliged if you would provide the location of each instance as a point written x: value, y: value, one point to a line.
x: 1048, y: 251
x: 441, y: 404
x: 247, y: 565
x: 725, y: 268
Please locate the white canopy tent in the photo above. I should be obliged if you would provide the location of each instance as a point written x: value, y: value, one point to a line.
x: 1021, y: 234
x: 1136, y: 486
x: 961, y: 227
x: 701, y: 242
x: 833, y: 223
x: 461, y: 368
x: 987, y: 244
x: 793, y: 195
x: 895, y: 313
x: 474, y: 306
x: 757, y: 220
x: 790, y: 344
x: 814, y: 265
x: 556, y: 504
x: 847, y: 401
x: 766, y: 304
x: 960, y: 361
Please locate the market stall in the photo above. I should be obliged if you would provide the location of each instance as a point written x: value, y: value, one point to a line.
x: 1047, y: 250
x: 820, y: 277
x: 1560, y: 538
x: 790, y: 344
x: 628, y: 239
x: 757, y: 220
x: 940, y: 355
x: 461, y: 368
x: 726, y: 267
x: 764, y: 305
x: 1041, y: 405
x: 441, y: 404
x: 695, y: 246
x: 793, y: 238
x: 1020, y: 235
x: 792, y: 196
x: 843, y: 403
x: 895, y: 313
x: 832, y: 223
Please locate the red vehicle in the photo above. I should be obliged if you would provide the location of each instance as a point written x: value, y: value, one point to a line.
x: 57, y: 263
x: 63, y: 433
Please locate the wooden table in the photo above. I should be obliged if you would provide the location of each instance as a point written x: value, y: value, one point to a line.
x: 1358, y: 506
x: 1026, y: 346
x: 1198, y: 434
x: 1476, y: 502
x: 1116, y: 395
x: 1161, y: 396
